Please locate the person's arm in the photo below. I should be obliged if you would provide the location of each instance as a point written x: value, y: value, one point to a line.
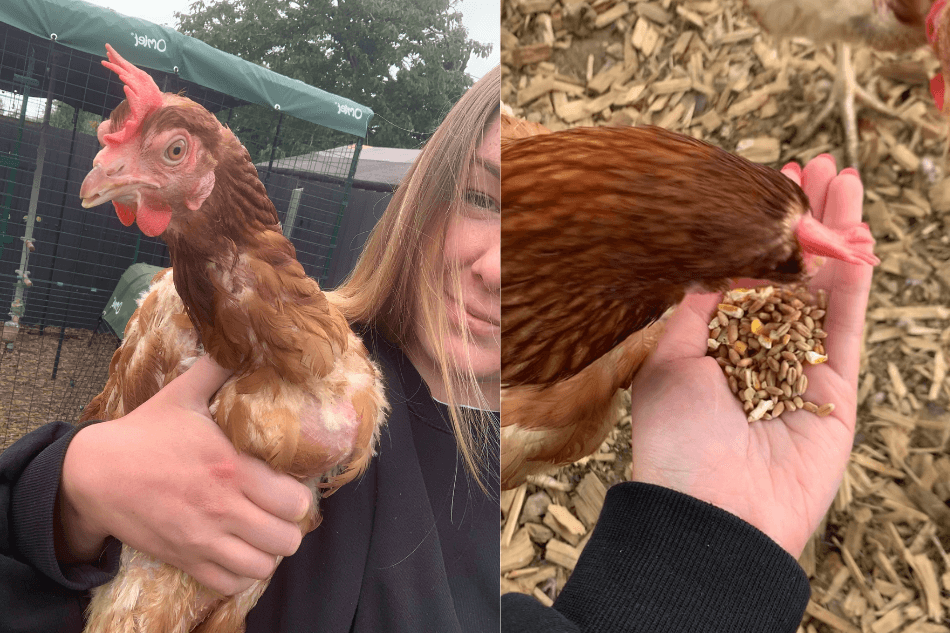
x: 36, y: 592
x: 705, y: 538
x: 163, y: 479
x: 691, y: 434
x: 166, y: 481
x: 661, y: 561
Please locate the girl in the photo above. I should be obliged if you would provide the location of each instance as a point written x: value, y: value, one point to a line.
x: 412, y: 546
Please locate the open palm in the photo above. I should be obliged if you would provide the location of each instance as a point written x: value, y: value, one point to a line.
x: 690, y: 432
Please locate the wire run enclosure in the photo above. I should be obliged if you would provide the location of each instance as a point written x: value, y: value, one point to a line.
x: 59, y: 263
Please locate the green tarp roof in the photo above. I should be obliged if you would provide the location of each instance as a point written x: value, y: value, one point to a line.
x: 86, y: 27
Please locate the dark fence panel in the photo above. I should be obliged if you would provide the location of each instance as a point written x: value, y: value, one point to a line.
x: 81, y: 253
x: 56, y: 355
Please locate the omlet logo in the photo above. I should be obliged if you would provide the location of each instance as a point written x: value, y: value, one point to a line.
x: 116, y: 305
x: 141, y: 40
x: 356, y: 113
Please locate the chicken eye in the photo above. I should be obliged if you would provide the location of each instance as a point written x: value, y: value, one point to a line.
x: 176, y: 150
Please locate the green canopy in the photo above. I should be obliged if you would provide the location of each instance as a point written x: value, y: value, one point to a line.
x: 124, y: 301
x: 87, y: 28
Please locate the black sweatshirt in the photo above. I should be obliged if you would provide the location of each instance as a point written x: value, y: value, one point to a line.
x: 663, y: 562
x: 411, y: 546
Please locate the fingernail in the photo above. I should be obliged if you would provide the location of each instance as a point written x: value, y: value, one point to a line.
x: 829, y: 157
x: 794, y: 168
x: 852, y: 171
x: 303, y: 513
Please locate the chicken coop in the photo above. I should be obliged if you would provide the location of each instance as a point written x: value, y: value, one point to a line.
x: 60, y: 263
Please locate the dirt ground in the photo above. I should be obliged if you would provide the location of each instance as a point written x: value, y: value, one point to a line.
x: 879, y: 562
x: 30, y: 396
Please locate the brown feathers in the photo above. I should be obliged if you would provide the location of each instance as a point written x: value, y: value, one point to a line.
x: 893, y: 25
x: 911, y: 12
x: 512, y: 128
x: 304, y: 397
x: 605, y: 228
x: 550, y: 425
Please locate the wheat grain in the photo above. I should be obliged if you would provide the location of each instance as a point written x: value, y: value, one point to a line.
x: 762, y: 338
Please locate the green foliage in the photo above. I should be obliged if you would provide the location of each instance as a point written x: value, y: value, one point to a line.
x: 405, y: 59
x: 62, y: 117
x: 256, y: 127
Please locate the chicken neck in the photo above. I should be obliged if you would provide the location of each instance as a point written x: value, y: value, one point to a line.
x: 248, y: 297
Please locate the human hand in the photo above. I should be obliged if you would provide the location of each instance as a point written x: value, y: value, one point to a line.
x: 690, y: 432
x: 165, y: 480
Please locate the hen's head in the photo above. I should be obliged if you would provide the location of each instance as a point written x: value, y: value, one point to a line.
x: 157, y: 158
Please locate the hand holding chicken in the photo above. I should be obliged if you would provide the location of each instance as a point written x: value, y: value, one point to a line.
x: 304, y: 396
x: 690, y: 432
x: 195, y: 502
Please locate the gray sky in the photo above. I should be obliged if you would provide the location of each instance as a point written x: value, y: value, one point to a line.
x: 480, y: 17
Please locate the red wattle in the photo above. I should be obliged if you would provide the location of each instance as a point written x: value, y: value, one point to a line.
x: 937, y: 89
x: 932, y: 28
x: 853, y: 244
x: 153, y: 220
x: 125, y: 213
x: 933, y: 31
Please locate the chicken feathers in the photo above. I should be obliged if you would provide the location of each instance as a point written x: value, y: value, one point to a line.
x: 627, y: 220
x: 605, y: 229
x: 305, y: 397
x: 894, y: 25
x: 544, y: 425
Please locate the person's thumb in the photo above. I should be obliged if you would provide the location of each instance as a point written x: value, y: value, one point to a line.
x: 688, y: 328
x: 199, y: 383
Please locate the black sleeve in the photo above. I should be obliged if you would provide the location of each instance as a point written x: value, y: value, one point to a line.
x: 661, y: 561
x: 36, y: 592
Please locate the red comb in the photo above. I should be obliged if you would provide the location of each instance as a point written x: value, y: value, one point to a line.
x: 932, y: 27
x: 143, y: 95
x: 933, y: 32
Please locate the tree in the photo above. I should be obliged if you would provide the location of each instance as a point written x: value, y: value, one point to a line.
x: 405, y: 59
x: 62, y: 117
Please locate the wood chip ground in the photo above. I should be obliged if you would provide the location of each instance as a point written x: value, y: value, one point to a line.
x: 29, y: 394
x: 879, y: 562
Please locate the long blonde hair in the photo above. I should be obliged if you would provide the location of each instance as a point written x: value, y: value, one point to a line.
x: 400, y: 275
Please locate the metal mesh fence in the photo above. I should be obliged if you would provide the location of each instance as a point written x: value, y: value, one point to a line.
x: 59, y: 263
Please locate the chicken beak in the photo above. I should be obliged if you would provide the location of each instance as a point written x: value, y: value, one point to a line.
x: 96, y: 187
x: 101, y: 186
x: 114, y: 175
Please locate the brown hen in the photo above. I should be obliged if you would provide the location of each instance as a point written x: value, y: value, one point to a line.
x: 890, y: 25
x: 887, y: 25
x: 603, y: 230
x: 305, y: 396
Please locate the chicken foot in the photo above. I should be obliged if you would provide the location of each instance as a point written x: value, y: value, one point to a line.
x: 844, y: 94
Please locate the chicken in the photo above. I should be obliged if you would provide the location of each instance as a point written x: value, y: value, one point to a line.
x: 304, y: 397
x: 603, y: 230
x: 513, y: 127
x: 888, y: 25
x: 542, y: 425
x: 938, y: 34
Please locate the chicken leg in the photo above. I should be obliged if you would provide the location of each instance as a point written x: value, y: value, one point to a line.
x: 844, y: 94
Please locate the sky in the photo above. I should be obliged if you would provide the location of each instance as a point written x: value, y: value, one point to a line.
x: 480, y: 17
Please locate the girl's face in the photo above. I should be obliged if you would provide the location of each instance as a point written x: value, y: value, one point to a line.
x: 473, y: 245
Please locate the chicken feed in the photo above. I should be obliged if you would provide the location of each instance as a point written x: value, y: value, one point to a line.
x: 763, y: 338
